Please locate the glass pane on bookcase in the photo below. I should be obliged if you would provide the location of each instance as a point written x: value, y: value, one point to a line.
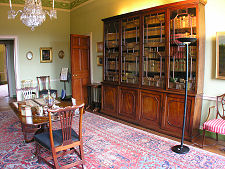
x: 154, y: 50
x: 111, y: 68
x: 130, y: 50
x: 182, y: 24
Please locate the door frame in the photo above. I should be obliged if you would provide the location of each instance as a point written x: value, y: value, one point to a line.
x: 90, y: 57
x: 16, y: 65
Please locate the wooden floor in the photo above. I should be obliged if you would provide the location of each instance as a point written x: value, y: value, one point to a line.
x: 210, y: 144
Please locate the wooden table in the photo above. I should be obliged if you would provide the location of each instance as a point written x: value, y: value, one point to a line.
x: 34, y: 124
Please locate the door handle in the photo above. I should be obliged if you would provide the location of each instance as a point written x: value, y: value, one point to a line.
x: 75, y: 75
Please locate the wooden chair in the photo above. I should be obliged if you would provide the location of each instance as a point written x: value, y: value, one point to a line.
x: 26, y: 83
x: 61, y: 141
x: 216, y: 125
x: 27, y: 90
x: 44, y: 85
x: 28, y: 93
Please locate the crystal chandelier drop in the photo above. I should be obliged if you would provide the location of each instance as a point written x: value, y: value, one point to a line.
x: 32, y: 15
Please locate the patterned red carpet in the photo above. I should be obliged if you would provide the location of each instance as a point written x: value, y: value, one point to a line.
x: 107, y: 144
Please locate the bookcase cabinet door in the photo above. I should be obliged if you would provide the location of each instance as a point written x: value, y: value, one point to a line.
x: 150, y: 109
x: 109, y: 101
x: 173, y: 114
x: 183, y: 23
x: 128, y: 104
x: 130, y: 50
x: 154, y: 45
x: 111, y: 52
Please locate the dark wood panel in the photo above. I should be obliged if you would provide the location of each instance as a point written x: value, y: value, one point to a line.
x: 174, y: 113
x: 150, y: 109
x: 109, y: 101
x: 128, y: 104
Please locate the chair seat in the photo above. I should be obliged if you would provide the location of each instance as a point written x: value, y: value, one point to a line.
x: 215, y: 125
x: 44, y: 139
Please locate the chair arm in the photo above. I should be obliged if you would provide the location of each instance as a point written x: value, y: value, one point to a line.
x: 211, y: 107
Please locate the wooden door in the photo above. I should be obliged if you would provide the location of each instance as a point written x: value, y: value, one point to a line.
x: 80, y: 56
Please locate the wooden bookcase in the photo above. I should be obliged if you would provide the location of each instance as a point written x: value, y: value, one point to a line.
x: 144, y: 67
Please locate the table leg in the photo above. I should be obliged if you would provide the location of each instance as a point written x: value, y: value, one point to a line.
x: 30, y: 131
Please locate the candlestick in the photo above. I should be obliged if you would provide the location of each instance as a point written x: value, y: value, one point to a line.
x: 10, y: 4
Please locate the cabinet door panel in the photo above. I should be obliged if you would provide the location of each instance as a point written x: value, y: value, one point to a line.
x: 154, y: 45
x: 150, y: 109
x: 128, y: 104
x: 174, y: 113
x: 109, y: 101
x: 130, y: 50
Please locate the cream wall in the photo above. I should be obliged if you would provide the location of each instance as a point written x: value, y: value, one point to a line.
x: 52, y: 33
x: 88, y: 19
x: 214, y: 23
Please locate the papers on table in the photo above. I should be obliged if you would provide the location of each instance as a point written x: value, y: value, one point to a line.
x: 34, y: 102
x: 30, y: 103
x: 41, y: 101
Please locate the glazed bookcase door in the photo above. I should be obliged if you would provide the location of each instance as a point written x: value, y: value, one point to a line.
x: 111, y: 65
x: 130, y: 50
x: 182, y: 24
x: 154, y: 50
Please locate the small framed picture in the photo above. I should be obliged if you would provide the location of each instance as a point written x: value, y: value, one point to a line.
x: 99, y: 47
x: 46, y: 55
x: 100, y: 60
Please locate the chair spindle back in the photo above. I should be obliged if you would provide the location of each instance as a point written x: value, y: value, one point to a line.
x: 220, y: 101
x: 43, y: 82
x: 66, y: 121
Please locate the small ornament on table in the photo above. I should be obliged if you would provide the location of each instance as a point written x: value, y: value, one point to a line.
x: 49, y: 100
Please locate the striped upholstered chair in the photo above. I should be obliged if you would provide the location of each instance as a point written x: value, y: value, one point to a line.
x: 216, y: 125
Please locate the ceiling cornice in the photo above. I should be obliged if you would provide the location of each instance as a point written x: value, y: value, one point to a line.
x: 64, y: 5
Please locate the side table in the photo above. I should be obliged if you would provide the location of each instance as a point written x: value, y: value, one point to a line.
x: 94, y: 96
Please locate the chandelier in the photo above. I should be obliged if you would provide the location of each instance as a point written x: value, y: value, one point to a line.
x: 32, y: 14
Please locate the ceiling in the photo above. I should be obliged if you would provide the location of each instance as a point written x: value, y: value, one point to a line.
x: 59, y: 4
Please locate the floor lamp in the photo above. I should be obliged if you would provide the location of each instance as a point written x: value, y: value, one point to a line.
x: 182, y: 149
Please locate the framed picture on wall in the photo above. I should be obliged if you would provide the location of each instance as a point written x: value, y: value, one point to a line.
x: 99, y: 47
x: 220, y: 55
x: 99, y: 60
x: 46, y: 55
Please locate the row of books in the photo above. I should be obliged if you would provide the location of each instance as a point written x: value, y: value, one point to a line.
x: 184, y: 22
x: 180, y: 65
x: 179, y: 52
x: 155, y: 19
x: 154, y: 66
x: 157, y: 30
